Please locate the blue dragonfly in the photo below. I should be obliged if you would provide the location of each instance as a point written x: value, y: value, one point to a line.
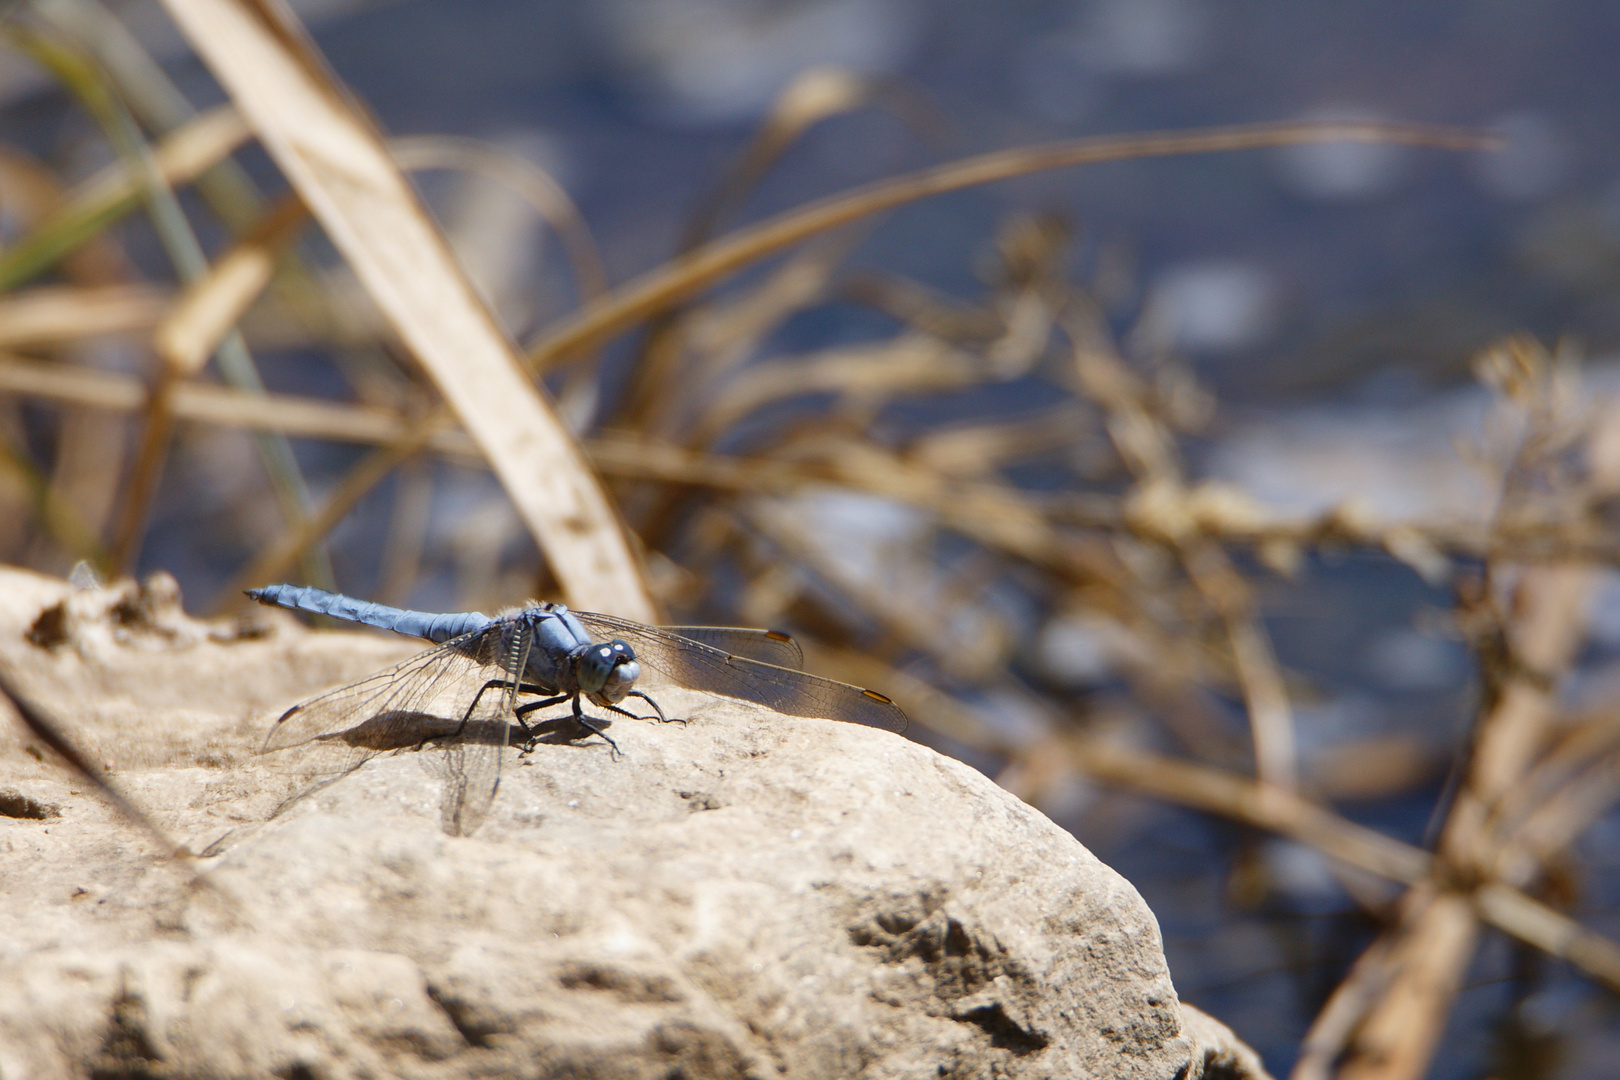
x: 489, y: 672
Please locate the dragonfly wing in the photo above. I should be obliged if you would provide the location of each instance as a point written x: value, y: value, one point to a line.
x: 368, y: 711
x: 693, y: 664
x: 766, y: 646
x: 472, y: 763
x: 472, y: 774
x: 420, y: 699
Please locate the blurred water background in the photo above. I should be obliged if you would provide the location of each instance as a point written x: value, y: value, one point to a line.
x: 1332, y: 297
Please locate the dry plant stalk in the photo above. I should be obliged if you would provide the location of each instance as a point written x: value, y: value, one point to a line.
x: 347, y: 178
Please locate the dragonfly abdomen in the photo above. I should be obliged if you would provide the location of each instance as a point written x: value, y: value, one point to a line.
x: 423, y: 624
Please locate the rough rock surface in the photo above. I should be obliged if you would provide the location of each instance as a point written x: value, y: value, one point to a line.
x: 747, y: 896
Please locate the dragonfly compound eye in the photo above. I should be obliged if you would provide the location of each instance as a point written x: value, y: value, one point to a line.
x: 620, y: 681
x: 608, y: 672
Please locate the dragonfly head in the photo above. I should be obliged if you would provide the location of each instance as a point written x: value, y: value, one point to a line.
x: 606, y: 673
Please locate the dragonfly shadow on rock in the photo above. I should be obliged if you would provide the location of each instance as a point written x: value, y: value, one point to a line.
x: 466, y: 753
x: 401, y: 730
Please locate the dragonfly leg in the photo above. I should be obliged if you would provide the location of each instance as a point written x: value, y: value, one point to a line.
x: 506, y: 684
x: 597, y: 726
x: 530, y: 706
x: 662, y: 719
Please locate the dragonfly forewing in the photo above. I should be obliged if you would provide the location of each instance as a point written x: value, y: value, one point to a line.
x: 698, y: 666
x: 765, y: 646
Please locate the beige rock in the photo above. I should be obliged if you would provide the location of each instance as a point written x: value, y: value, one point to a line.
x: 750, y: 895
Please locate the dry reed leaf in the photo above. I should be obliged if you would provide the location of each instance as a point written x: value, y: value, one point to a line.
x: 724, y: 333
x: 152, y: 98
x: 28, y: 190
x: 78, y: 501
x: 344, y: 173
x: 58, y: 313
x: 993, y: 512
x: 1435, y: 940
x: 22, y: 485
x: 690, y: 273
x: 1163, y: 509
x: 1288, y: 814
x: 811, y: 97
x: 1265, y: 696
x: 1582, y: 746
x: 908, y: 619
x: 996, y: 515
x: 1376, y: 767
x: 922, y: 308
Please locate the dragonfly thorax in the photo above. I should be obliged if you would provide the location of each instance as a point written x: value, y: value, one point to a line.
x: 605, y: 672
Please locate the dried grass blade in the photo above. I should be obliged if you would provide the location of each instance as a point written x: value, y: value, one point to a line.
x: 689, y: 274
x: 60, y: 520
x: 1334, y: 1025
x: 1569, y: 811
x: 343, y: 171
x: 59, y: 313
x: 720, y: 336
x: 1436, y: 937
x: 153, y: 98
x: 1265, y: 695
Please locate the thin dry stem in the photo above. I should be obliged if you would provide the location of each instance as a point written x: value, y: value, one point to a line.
x: 698, y: 270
